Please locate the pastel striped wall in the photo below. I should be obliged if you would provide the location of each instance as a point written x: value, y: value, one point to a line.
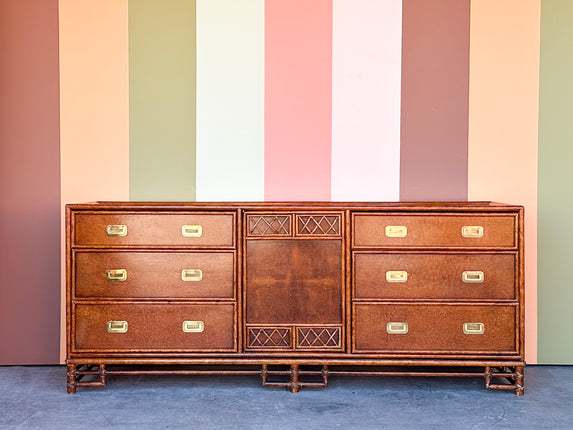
x: 29, y: 183
x: 503, y: 106
x: 555, y: 178
x: 295, y: 100
x: 230, y: 100
x: 94, y: 107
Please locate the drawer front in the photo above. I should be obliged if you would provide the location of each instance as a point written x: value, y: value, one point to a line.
x: 434, y: 230
x: 154, y: 275
x: 127, y: 229
x: 154, y: 327
x: 434, y: 276
x: 434, y: 328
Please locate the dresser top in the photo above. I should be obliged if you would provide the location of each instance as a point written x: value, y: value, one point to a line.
x: 298, y: 205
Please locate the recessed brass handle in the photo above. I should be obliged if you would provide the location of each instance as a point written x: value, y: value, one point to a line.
x: 473, y: 277
x: 116, y: 230
x: 397, y: 328
x: 474, y: 328
x: 396, y: 276
x: 116, y: 326
x: 191, y: 230
x: 116, y: 275
x: 474, y: 231
x: 193, y: 275
x: 396, y: 231
x: 193, y: 326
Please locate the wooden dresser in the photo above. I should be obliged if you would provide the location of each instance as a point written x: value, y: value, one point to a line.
x: 295, y: 292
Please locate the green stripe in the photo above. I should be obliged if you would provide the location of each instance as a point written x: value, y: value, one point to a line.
x: 555, y: 228
x: 162, y: 99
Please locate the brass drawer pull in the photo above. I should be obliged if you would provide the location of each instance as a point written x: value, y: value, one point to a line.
x: 474, y: 328
x: 116, y: 230
x: 397, y: 328
x: 116, y: 275
x: 473, y: 277
x: 193, y: 326
x: 193, y: 275
x: 472, y: 231
x: 396, y: 276
x: 116, y: 326
x: 191, y: 230
x: 396, y: 231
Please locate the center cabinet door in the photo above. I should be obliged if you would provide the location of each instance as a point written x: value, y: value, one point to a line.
x: 294, y: 282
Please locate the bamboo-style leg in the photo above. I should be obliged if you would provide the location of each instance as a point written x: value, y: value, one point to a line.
x: 71, y: 378
x: 294, y: 379
x: 519, y: 385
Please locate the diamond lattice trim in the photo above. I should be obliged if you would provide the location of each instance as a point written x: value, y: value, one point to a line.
x: 319, y: 225
x: 327, y: 337
x: 269, y: 225
x: 269, y: 337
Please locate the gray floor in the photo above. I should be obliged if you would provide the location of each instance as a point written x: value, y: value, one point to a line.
x: 34, y: 398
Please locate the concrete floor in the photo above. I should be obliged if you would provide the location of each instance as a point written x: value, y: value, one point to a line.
x: 35, y: 397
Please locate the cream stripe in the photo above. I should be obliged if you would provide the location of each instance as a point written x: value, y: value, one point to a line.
x: 94, y: 109
x: 230, y: 100
x: 504, y: 101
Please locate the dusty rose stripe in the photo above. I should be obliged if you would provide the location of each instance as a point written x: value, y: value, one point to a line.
x: 298, y: 99
x: 435, y: 98
x: 29, y: 183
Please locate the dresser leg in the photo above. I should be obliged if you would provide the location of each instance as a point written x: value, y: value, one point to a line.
x: 71, y: 378
x: 519, y: 390
x: 294, y: 379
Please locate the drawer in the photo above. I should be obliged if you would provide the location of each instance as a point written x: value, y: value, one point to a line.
x: 154, y: 274
x: 422, y: 230
x: 128, y: 229
x: 434, y: 276
x: 433, y: 328
x: 154, y: 327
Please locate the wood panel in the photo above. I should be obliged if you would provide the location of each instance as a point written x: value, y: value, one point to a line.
x: 294, y: 282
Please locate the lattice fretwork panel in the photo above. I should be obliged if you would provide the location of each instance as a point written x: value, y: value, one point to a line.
x: 318, y: 337
x: 318, y: 225
x: 269, y: 225
x: 269, y: 337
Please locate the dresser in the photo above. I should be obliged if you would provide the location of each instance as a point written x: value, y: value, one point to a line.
x: 295, y: 292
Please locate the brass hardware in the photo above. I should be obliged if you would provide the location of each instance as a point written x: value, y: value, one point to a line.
x: 472, y: 231
x: 397, y: 328
x: 396, y: 276
x: 474, y: 328
x: 193, y: 326
x: 194, y: 275
x: 116, y: 230
x: 191, y: 230
x: 116, y: 326
x: 473, y: 277
x: 116, y: 275
x: 396, y: 231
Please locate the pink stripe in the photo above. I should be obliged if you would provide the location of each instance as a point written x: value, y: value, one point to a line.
x: 298, y: 99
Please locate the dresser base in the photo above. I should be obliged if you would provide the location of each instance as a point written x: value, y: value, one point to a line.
x: 296, y: 376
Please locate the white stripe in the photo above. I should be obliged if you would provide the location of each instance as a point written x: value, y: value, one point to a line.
x: 230, y: 100
x: 366, y: 88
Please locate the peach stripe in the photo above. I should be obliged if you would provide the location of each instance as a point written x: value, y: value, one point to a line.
x: 504, y: 101
x: 298, y: 99
x: 94, y: 106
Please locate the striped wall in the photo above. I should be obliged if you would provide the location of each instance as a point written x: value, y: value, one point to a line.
x: 29, y: 183
x: 214, y: 100
x: 555, y: 179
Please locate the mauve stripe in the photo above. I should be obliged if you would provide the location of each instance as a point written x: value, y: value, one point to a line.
x: 298, y: 99
x: 29, y: 183
x: 435, y: 98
